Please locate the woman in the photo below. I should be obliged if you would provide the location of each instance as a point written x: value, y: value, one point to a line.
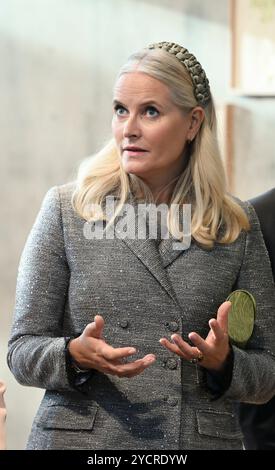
x: 128, y: 333
x: 258, y: 421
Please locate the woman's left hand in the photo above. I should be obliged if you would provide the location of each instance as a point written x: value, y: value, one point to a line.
x: 211, y: 352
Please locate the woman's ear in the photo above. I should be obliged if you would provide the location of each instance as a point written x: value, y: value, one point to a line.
x: 196, y: 118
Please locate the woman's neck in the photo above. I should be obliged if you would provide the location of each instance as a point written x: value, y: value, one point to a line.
x: 163, y: 193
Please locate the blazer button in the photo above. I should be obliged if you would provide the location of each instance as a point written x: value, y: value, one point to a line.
x: 124, y: 323
x: 172, y: 401
x: 172, y: 326
x: 171, y: 363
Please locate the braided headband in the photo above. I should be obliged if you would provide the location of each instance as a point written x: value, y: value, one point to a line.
x: 194, y: 68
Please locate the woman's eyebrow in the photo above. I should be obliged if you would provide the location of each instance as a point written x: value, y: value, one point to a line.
x: 118, y: 102
x: 144, y: 103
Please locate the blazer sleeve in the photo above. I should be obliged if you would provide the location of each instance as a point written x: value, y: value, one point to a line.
x: 253, y: 378
x: 36, y: 350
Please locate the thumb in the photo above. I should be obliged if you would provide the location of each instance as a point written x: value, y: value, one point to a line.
x: 95, y: 329
x: 222, y: 315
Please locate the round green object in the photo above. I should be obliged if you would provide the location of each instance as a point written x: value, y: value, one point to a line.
x: 241, y: 317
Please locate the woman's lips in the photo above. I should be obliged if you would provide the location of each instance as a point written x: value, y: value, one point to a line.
x: 134, y: 152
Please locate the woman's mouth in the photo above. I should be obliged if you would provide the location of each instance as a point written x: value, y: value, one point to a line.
x: 134, y: 151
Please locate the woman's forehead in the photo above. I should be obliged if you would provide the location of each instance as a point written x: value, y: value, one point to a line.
x: 140, y: 85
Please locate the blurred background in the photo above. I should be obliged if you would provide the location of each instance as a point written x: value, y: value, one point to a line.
x: 59, y: 60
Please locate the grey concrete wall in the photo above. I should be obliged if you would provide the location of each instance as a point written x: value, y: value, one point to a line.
x: 59, y: 59
x: 253, y: 146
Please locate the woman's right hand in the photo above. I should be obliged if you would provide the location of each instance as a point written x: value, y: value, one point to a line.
x: 90, y: 351
x: 3, y: 414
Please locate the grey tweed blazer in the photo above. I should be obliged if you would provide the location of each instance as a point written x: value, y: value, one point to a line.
x: 143, y: 293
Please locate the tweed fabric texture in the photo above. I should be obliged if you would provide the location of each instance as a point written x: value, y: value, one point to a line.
x: 143, y: 293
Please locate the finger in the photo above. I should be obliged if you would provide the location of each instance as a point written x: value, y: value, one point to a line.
x: 104, y: 366
x: 222, y: 315
x: 216, y: 329
x: 170, y: 346
x: 95, y: 328
x: 200, y: 343
x: 99, y: 325
x: 111, y: 354
x: 189, y: 351
x: 89, y: 330
x: 134, y: 368
x: 179, y: 346
x: 2, y: 387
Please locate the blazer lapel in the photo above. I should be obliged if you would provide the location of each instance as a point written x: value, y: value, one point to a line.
x: 168, y: 251
x: 146, y: 250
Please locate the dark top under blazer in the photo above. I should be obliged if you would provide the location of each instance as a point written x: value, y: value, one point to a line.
x: 143, y: 293
x: 264, y: 206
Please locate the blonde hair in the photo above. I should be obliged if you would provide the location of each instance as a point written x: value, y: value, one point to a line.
x: 216, y: 216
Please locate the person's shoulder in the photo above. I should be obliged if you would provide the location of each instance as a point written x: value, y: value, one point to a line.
x: 66, y: 190
x: 249, y: 210
x: 264, y: 205
x: 245, y: 205
x: 61, y: 193
x: 264, y: 200
x: 59, y: 197
x: 65, y: 193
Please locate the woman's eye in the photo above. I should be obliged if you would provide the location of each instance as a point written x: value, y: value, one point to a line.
x: 151, y: 111
x: 119, y: 110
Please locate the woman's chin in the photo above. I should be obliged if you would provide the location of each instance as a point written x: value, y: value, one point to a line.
x: 135, y: 169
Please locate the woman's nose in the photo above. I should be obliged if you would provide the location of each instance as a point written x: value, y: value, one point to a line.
x: 131, y: 128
